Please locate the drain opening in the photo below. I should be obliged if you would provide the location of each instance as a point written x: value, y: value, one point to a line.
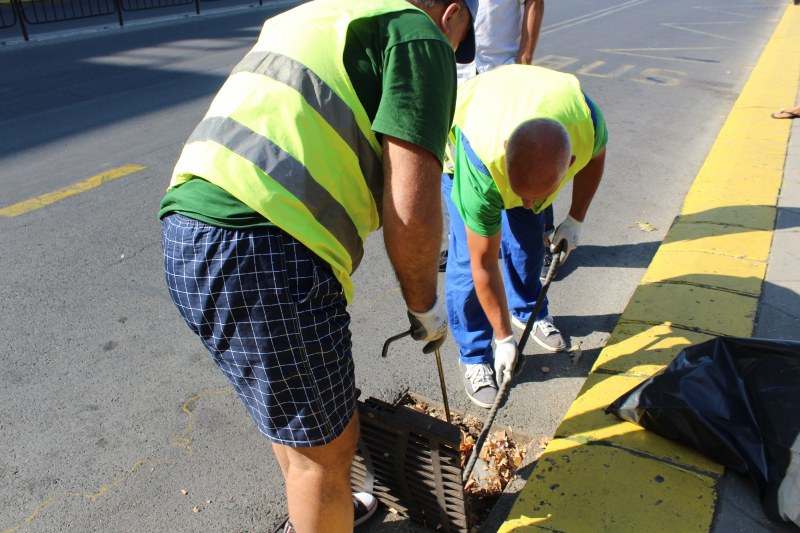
x: 412, y: 460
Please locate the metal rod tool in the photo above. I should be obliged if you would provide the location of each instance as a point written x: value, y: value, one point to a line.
x: 441, y: 382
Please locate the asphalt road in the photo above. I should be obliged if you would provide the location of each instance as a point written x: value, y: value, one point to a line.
x: 113, y: 416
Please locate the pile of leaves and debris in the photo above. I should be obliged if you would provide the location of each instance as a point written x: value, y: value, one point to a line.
x: 501, y: 456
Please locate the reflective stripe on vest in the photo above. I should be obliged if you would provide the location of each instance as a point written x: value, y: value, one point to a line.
x: 286, y: 170
x: 328, y: 104
x: 288, y: 136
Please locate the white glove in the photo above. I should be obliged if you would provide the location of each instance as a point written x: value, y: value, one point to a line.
x: 568, y: 231
x: 430, y: 326
x: 505, y: 357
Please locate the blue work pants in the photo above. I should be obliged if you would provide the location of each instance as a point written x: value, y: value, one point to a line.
x: 522, y: 251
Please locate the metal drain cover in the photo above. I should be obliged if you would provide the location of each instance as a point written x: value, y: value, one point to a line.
x: 411, y: 462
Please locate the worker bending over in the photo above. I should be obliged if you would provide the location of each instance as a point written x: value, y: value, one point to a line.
x: 520, y: 133
x: 333, y: 124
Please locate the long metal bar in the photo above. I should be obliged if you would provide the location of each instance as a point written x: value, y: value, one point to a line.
x: 441, y: 382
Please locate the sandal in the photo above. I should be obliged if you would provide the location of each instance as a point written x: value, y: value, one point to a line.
x: 785, y: 114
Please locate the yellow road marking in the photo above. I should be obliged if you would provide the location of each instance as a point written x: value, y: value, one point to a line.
x: 181, y: 441
x: 33, y: 204
x: 682, y: 26
x: 91, y: 496
x: 184, y: 441
x: 639, y: 52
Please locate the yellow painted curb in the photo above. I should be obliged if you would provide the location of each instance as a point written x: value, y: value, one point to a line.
x: 603, y: 474
x: 695, y: 308
x: 749, y: 217
x: 610, y: 489
x: 700, y: 267
x: 640, y: 350
x: 720, y: 239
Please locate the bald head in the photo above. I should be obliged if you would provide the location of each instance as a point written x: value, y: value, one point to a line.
x: 538, y: 155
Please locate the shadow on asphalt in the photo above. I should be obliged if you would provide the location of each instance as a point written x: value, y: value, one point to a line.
x: 573, y: 362
x: 114, y: 75
x: 731, y: 220
x: 615, y: 256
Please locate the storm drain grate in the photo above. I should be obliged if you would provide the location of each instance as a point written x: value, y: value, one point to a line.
x: 411, y: 462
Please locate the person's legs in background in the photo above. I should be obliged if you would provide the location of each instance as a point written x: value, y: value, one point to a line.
x: 445, y: 236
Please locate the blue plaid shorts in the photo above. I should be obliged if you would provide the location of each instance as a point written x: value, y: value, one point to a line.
x: 275, y: 321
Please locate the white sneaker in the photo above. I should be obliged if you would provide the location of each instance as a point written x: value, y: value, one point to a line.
x: 364, y: 505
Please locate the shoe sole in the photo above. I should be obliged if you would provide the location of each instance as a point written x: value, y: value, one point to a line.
x: 478, y: 403
x: 516, y: 322
x: 356, y: 523
x: 282, y: 527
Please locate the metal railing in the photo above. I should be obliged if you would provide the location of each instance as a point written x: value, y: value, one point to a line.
x: 141, y: 5
x: 26, y: 13
x: 44, y: 11
x: 8, y: 15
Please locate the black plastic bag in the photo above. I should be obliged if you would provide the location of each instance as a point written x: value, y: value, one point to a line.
x: 736, y: 400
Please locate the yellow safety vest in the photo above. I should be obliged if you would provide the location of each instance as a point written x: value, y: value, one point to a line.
x: 287, y: 135
x: 491, y: 105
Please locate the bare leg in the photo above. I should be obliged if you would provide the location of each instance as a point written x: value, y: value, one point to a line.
x: 318, y: 483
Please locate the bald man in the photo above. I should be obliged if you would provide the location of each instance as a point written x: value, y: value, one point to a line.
x: 520, y: 133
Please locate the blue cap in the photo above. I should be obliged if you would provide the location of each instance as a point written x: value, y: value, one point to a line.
x: 465, y: 53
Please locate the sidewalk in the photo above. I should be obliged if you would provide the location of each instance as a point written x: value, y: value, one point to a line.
x: 726, y: 267
x: 81, y: 27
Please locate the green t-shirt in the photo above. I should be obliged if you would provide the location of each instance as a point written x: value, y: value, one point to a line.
x: 475, y: 193
x: 384, y: 57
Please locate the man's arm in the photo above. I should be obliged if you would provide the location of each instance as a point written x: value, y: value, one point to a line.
x: 412, y: 219
x: 584, y: 185
x: 489, y: 281
x: 532, y: 15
